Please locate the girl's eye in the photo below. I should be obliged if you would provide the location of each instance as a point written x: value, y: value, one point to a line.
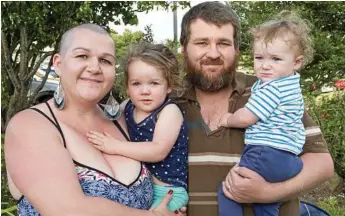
x: 276, y: 59
x: 135, y: 83
x: 154, y: 83
x: 258, y: 57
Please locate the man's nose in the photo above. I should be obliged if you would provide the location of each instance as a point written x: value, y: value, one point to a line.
x: 213, y: 52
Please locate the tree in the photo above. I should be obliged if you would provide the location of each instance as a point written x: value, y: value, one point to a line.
x: 328, y: 33
x: 29, y: 28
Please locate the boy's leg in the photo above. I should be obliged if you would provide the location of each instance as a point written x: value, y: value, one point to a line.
x: 226, y: 206
x: 274, y: 166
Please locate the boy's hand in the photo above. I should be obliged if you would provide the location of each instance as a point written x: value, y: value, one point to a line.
x: 103, y: 141
x: 223, y: 121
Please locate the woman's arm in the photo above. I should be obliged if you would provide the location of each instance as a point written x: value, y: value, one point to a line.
x: 44, y: 173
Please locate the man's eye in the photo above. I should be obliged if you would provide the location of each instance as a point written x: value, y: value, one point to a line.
x: 201, y: 43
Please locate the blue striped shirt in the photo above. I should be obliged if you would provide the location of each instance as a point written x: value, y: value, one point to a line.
x: 279, y: 106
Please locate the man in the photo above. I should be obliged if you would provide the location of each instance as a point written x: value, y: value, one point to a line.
x: 210, y: 34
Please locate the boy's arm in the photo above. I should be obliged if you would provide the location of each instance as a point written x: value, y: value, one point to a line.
x: 246, y: 186
x: 165, y: 135
x: 242, y: 118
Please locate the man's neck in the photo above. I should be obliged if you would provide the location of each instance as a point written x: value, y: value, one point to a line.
x: 204, y: 97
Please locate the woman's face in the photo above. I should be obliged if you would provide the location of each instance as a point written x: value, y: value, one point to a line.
x: 87, y: 66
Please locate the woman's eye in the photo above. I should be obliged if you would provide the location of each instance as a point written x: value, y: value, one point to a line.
x: 83, y: 56
x: 105, y: 61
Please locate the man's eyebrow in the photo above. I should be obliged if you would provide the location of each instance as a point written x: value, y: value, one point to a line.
x: 85, y: 49
x: 226, y: 40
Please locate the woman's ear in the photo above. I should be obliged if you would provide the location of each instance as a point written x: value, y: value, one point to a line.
x: 57, y: 64
x: 298, y: 62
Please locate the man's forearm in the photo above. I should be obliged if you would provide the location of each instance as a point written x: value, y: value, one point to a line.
x: 317, y: 168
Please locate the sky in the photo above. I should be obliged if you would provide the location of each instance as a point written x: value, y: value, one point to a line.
x: 161, y: 21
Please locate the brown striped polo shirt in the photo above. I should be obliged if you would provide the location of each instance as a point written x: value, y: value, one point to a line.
x: 213, y: 153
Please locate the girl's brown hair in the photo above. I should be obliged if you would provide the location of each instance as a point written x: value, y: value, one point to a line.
x: 158, y: 56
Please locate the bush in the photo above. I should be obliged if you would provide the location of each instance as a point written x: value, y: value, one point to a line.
x: 7, y: 202
x: 332, y: 206
x: 328, y: 111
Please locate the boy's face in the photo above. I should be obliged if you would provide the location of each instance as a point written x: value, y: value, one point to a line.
x: 275, y: 59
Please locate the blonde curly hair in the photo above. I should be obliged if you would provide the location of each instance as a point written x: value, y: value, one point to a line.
x: 287, y: 23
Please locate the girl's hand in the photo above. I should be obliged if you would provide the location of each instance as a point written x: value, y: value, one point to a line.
x: 103, y: 141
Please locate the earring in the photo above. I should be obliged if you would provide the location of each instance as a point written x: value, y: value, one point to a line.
x: 112, y: 108
x: 59, y: 97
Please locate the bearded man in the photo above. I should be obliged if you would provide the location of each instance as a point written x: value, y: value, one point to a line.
x: 210, y: 34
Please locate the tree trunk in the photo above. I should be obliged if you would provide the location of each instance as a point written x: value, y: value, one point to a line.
x: 18, y: 102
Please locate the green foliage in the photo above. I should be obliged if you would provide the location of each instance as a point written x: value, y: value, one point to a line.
x: 333, y: 206
x: 7, y: 202
x: 329, y: 113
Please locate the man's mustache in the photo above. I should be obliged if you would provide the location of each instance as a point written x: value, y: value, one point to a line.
x: 212, y: 62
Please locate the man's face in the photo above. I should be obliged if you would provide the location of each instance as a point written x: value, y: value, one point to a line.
x: 210, y: 56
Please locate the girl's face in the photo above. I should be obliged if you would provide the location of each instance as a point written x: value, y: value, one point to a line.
x: 275, y: 59
x: 147, y: 86
x: 87, y: 67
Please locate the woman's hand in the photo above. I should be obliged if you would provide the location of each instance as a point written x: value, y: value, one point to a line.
x: 163, y: 210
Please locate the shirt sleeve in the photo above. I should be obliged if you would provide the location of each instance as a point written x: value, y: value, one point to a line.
x: 314, y: 142
x: 263, y: 101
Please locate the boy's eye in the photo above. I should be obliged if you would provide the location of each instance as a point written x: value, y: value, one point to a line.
x: 258, y: 57
x: 276, y: 59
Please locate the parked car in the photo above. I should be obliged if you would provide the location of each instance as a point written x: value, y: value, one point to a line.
x: 49, y: 87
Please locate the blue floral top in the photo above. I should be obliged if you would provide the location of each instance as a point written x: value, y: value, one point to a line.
x: 138, y: 194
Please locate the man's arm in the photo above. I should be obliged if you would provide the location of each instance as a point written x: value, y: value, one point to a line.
x: 246, y: 186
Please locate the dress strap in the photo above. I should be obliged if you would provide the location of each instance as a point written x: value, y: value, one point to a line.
x: 55, y: 122
x: 121, y: 129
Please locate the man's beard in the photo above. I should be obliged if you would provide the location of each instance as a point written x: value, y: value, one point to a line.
x: 201, y: 81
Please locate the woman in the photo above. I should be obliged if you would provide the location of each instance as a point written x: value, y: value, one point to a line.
x: 52, y: 168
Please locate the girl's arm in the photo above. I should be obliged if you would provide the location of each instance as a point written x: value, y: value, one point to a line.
x: 165, y: 135
x: 43, y: 171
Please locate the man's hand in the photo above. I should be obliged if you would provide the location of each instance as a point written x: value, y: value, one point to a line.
x: 223, y: 121
x: 103, y: 142
x: 246, y: 186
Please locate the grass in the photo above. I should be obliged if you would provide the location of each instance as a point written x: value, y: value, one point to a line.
x: 333, y: 206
